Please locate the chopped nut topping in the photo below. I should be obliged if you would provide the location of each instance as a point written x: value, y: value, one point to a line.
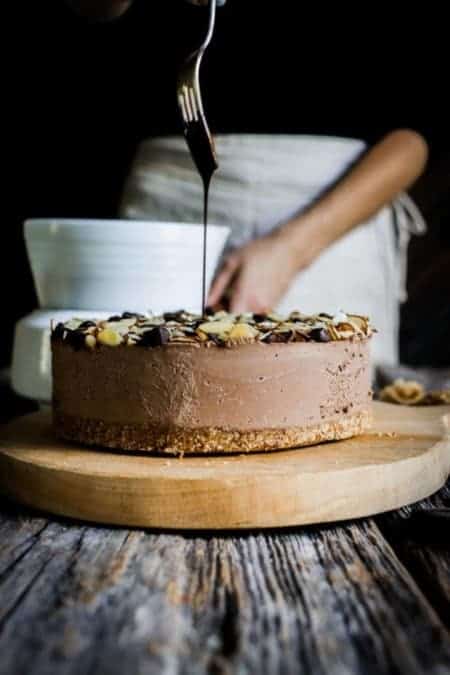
x: 109, y: 337
x: 220, y: 329
x: 243, y: 331
x: 90, y: 341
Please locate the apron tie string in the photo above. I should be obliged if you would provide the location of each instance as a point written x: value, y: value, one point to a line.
x: 409, y: 222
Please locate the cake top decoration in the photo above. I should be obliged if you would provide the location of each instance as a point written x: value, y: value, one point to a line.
x: 214, y: 329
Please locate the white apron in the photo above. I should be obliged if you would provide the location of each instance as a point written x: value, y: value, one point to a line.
x: 263, y: 181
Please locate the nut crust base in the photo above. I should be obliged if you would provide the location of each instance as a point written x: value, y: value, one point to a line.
x: 206, y: 440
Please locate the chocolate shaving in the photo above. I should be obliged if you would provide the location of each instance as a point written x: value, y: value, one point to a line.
x: 259, y: 318
x: 319, y: 335
x: 58, y: 331
x: 217, y: 340
x: 157, y: 337
x: 131, y: 315
x: 174, y: 316
x: 76, y: 339
x: 277, y: 338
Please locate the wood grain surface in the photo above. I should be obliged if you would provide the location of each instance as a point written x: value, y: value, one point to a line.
x: 405, y: 458
x: 331, y: 601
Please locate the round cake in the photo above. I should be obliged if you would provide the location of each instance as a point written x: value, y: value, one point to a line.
x: 221, y: 383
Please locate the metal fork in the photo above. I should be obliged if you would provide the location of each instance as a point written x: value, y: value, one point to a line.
x: 196, y: 130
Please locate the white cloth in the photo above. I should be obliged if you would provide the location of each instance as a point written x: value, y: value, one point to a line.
x: 264, y: 180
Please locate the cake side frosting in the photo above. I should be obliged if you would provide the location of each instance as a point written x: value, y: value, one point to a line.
x: 181, y: 396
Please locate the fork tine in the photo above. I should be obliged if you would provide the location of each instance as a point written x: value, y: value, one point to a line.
x: 182, y: 105
x: 187, y: 103
x: 194, y: 106
x: 198, y: 136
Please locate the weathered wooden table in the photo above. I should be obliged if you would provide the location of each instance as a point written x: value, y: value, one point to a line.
x: 364, y: 597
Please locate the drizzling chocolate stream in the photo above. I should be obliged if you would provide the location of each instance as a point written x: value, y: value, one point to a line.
x: 206, y: 163
x: 205, y: 241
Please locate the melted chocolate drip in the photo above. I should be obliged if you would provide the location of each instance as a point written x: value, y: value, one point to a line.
x: 206, y: 164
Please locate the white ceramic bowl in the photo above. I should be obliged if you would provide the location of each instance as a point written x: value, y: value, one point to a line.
x: 31, y: 371
x: 120, y: 265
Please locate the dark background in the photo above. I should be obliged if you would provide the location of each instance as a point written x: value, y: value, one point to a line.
x: 80, y: 96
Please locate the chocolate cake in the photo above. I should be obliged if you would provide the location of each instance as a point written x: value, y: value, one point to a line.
x: 182, y: 383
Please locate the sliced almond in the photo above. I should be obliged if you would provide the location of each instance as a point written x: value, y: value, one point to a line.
x: 201, y: 335
x: 220, y: 315
x: 242, y: 331
x: 185, y: 339
x: 122, y: 327
x: 275, y: 317
x: 285, y: 327
x: 334, y: 335
x: 361, y: 322
x: 109, y: 338
x: 345, y: 327
x: 90, y: 341
x: 73, y: 324
x: 216, y: 327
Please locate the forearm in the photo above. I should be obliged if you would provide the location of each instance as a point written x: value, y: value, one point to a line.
x: 387, y: 169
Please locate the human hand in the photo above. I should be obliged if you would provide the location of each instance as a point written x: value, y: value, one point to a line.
x: 255, y: 277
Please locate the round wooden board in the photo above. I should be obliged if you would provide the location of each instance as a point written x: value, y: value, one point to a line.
x: 405, y: 458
